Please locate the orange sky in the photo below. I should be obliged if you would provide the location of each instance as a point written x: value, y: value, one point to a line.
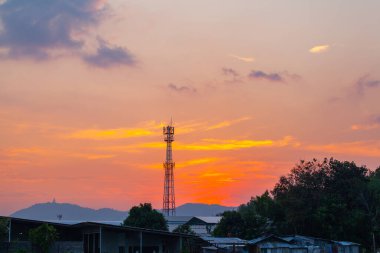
x: 252, y: 86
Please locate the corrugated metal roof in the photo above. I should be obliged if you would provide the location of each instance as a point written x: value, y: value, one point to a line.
x: 223, y: 240
x: 267, y: 237
x: 344, y: 243
x: 210, y: 219
x: 271, y: 245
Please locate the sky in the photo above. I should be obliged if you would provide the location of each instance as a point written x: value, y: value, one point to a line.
x: 253, y: 87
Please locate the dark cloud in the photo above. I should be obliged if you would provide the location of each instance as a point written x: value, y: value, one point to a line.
x: 109, y: 56
x: 273, y: 77
x: 181, y: 89
x: 366, y: 82
x: 230, y: 72
x: 31, y: 28
x: 35, y: 28
x: 234, y: 76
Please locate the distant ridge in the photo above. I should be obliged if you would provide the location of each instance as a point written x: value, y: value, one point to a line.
x: 72, y: 212
x: 198, y: 209
x: 50, y: 211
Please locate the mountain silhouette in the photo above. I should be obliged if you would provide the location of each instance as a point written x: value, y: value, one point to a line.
x: 72, y: 212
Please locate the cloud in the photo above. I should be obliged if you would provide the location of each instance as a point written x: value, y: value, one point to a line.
x: 181, y: 89
x: 273, y: 77
x: 233, y: 74
x: 224, y: 124
x: 244, y: 59
x: 365, y: 82
x: 109, y: 134
x: 374, y: 123
x: 230, y: 72
x: 211, y: 145
x: 185, y: 164
x: 359, y: 148
x: 319, y: 49
x: 109, y: 56
x: 93, y: 156
x: 32, y: 28
x: 39, y: 29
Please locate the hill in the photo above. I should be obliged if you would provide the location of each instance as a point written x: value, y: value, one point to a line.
x: 197, y: 209
x: 50, y: 211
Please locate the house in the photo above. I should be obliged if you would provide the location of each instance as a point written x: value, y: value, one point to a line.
x: 345, y: 247
x: 93, y: 237
x: 320, y: 245
x: 274, y: 244
x: 203, y: 226
x: 224, y: 245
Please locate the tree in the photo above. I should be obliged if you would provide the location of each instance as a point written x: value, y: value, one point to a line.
x: 4, y: 223
x: 231, y: 225
x: 185, y: 229
x: 325, y: 199
x: 43, y: 237
x: 144, y: 216
x: 258, y: 215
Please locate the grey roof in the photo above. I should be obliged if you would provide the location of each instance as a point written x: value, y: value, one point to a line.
x: 206, y: 220
x: 178, y: 219
x: 224, y: 240
x: 103, y: 225
x: 344, y: 243
x: 271, y: 245
x: 266, y: 237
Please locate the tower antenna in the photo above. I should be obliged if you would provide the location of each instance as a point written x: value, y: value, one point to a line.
x: 169, y: 197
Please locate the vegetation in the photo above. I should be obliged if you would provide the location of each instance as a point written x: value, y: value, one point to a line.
x: 144, y: 216
x: 4, y: 223
x: 43, y: 237
x: 329, y: 199
x: 185, y: 229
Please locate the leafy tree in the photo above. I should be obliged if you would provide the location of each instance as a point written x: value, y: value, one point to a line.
x: 325, y: 199
x: 43, y: 237
x: 144, y: 216
x: 188, y: 242
x: 258, y: 215
x: 4, y: 223
x: 231, y: 225
x: 185, y: 229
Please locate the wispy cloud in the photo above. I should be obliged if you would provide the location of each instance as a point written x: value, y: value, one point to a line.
x: 224, y: 124
x: 145, y: 129
x: 93, y: 156
x: 242, y: 58
x: 230, y: 72
x: 319, y: 49
x: 181, y: 89
x: 19, y: 151
x: 233, y: 75
x: 374, y: 123
x: 109, y: 134
x: 366, y: 82
x: 273, y: 77
x: 109, y: 56
x: 185, y: 164
x: 359, y: 148
x: 211, y: 145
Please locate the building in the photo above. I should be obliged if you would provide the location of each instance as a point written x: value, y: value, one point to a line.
x: 203, y: 226
x: 274, y: 244
x: 224, y: 245
x: 93, y: 237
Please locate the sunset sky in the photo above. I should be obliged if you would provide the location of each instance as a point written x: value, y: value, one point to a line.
x: 253, y: 86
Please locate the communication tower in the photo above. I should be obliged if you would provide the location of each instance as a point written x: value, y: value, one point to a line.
x: 169, y: 197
